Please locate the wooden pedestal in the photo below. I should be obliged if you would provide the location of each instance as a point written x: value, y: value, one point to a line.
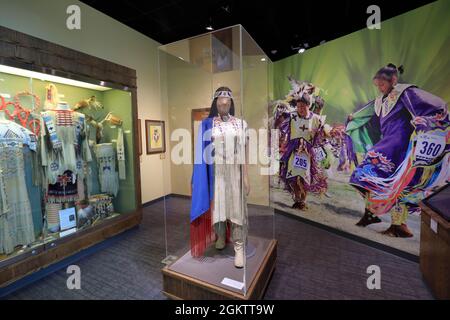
x: 435, y: 253
x: 183, y: 287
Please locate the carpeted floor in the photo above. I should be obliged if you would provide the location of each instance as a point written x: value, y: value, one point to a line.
x: 312, y: 264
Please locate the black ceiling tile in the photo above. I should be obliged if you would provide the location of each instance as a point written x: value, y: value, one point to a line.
x: 149, y: 6
x: 272, y: 25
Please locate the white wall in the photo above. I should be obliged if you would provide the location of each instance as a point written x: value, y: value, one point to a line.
x: 106, y: 38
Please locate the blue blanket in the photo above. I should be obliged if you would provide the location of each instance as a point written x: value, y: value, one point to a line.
x: 203, y: 173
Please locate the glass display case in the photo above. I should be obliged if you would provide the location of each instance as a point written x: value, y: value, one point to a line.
x: 68, y: 173
x: 219, y: 222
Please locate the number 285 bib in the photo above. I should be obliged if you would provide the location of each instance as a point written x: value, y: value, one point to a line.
x: 301, y: 161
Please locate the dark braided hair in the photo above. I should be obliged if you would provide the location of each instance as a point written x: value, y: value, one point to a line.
x: 213, y: 112
x: 388, y: 72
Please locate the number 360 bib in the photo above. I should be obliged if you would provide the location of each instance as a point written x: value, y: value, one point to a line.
x: 429, y: 146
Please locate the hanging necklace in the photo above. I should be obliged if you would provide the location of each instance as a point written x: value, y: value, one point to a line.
x: 225, y: 118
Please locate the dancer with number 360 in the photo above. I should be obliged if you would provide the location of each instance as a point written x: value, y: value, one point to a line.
x: 406, y: 136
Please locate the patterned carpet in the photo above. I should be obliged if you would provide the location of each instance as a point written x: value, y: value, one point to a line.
x: 312, y: 264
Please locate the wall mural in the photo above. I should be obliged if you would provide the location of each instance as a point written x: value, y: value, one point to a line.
x: 365, y: 129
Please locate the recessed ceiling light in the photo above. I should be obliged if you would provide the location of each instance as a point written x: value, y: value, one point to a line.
x: 263, y: 59
x: 210, y: 28
x: 181, y: 58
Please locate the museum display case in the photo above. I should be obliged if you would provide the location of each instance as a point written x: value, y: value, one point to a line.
x: 435, y: 242
x: 68, y: 161
x: 219, y: 224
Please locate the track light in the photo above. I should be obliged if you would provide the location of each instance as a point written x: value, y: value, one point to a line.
x: 226, y: 8
x: 209, y: 26
x: 301, y: 48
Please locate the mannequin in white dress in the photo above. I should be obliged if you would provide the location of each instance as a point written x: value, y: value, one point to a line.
x: 231, y: 183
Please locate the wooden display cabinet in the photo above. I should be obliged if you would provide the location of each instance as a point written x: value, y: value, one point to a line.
x: 26, y: 52
x: 435, y: 247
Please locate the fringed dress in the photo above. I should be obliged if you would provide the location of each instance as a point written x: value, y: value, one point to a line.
x: 16, y: 220
x: 229, y: 157
x: 301, y: 157
x: 64, y: 149
x: 411, y: 158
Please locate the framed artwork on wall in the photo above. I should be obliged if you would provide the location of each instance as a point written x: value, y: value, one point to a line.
x: 155, y: 136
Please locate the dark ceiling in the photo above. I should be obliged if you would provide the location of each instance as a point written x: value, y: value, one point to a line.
x: 277, y: 26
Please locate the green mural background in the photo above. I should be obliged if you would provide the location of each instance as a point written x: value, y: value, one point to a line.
x: 343, y: 68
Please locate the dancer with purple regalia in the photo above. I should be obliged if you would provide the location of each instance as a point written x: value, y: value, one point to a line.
x: 405, y: 136
x: 301, y: 169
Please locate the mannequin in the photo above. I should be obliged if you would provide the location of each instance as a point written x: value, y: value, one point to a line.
x: 228, y: 184
x: 102, y: 172
x: 64, y: 149
x: 16, y: 220
x: 110, y: 157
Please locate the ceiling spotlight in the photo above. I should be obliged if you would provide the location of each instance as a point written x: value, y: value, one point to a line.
x: 226, y: 8
x: 263, y: 59
x: 209, y: 26
x: 301, y: 50
x: 181, y: 58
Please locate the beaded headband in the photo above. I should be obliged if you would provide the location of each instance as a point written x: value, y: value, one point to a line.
x: 226, y: 94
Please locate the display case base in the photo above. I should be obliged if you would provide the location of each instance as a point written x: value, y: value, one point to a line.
x: 61, y: 248
x: 435, y: 252
x: 184, y: 286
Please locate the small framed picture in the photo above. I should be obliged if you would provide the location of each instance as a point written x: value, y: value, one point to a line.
x: 155, y: 136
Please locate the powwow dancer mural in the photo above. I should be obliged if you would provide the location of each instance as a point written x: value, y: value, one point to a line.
x: 304, y: 141
x: 404, y: 137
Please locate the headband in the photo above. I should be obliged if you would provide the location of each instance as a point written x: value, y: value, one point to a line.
x: 226, y: 94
